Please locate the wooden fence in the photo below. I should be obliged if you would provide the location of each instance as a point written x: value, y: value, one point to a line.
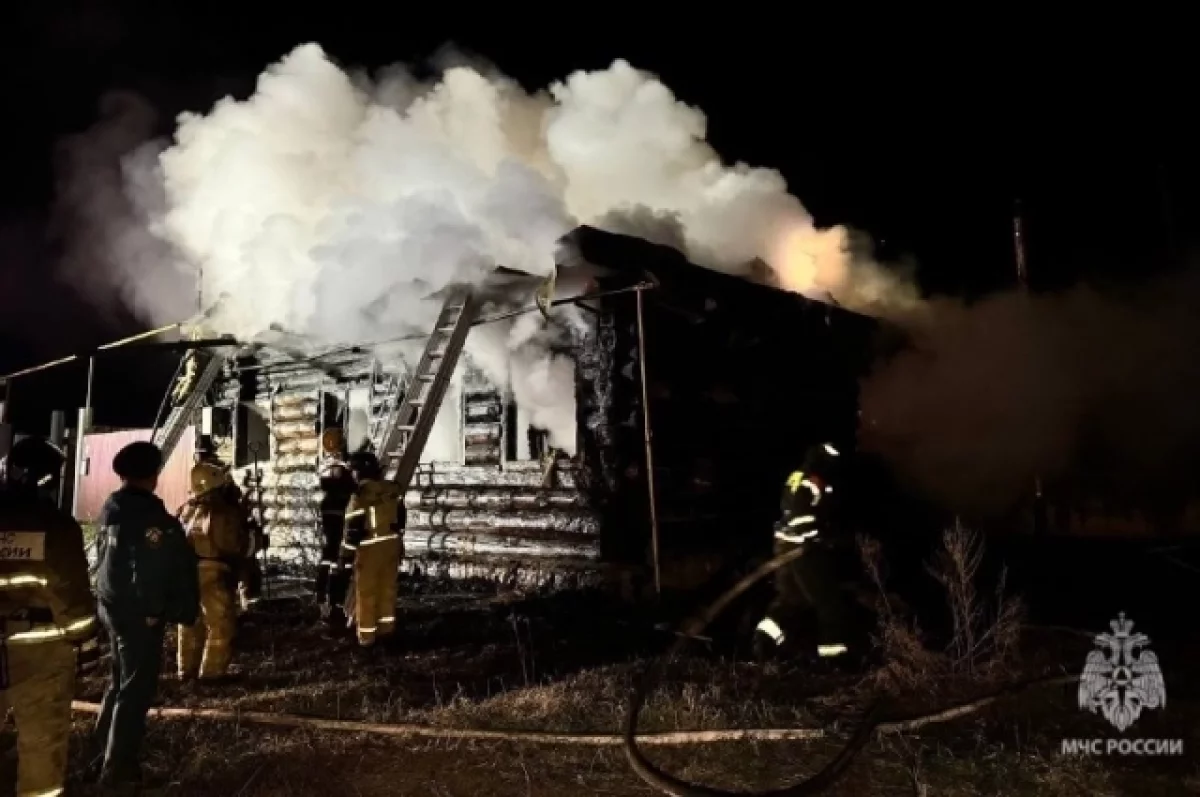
x: 99, y: 480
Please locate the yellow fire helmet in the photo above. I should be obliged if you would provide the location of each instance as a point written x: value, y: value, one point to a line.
x: 332, y: 440
x: 207, y: 477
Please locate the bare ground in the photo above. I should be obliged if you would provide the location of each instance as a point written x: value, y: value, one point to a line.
x: 474, y: 661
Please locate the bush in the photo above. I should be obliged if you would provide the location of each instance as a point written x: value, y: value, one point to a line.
x: 984, y: 633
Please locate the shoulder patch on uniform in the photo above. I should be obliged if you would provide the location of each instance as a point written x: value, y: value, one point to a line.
x: 26, y: 546
x: 154, y: 537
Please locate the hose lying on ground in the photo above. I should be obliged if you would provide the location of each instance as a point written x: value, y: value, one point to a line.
x: 680, y: 788
x: 872, y: 721
x: 629, y: 739
x: 413, y: 731
x: 477, y: 734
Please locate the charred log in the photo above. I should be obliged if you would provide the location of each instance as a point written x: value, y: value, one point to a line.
x: 514, y: 474
x: 495, y: 499
x: 549, y: 574
x: 422, y: 543
x: 569, y: 522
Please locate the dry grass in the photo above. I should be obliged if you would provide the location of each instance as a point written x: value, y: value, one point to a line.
x: 509, y: 667
x: 700, y: 697
x: 219, y: 759
x: 985, y: 632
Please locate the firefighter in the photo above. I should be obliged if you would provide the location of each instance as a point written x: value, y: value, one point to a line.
x: 337, y: 487
x: 216, y: 529
x: 250, y: 577
x: 372, y: 542
x: 187, y: 378
x: 250, y: 582
x: 807, y: 606
x: 146, y: 578
x: 47, y: 615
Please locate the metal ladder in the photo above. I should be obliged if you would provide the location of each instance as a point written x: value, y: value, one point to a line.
x: 182, y: 415
x: 392, y: 386
x: 404, y: 437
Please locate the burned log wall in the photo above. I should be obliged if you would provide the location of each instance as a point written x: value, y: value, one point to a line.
x: 515, y: 522
x: 741, y: 379
x: 602, y: 437
x: 289, y: 392
x: 520, y: 524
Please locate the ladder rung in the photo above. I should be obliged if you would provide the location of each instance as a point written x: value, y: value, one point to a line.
x: 407, y: 425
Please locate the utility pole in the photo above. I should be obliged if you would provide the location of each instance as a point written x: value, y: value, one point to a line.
x: 648, y: 435
x: 58, y: 438
x: 1019, y: 246
x: 1023, y: 281
x: 83, y: 426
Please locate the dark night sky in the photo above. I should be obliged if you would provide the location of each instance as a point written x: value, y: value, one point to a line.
x: 923, y: 142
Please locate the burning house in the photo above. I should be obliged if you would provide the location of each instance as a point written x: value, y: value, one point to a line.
x: 694, y: 393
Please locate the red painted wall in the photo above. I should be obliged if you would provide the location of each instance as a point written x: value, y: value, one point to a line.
x: 100, y: 481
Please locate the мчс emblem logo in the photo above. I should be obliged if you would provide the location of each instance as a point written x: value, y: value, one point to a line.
x: 153, y: 537
x: 1122, y: 677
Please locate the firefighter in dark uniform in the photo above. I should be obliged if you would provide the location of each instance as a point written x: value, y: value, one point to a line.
x: 147, y: 578
x: 808, y: 606
x: 372, y: 549
x: 47, y: 615
x: 337, y: 487
x: 250, y: 583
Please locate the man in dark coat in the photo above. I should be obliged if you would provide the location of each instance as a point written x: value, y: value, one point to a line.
x: 147, y: 579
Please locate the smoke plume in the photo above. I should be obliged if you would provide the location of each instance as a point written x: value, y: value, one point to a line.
x: 331, y: 205
x: 108, y: 193
x: 993, y: 395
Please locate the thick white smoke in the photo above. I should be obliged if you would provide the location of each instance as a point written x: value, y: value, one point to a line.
x: 332, y: 206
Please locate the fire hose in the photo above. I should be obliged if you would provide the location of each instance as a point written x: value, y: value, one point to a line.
x: 672, y: 785
x: 872, y: 720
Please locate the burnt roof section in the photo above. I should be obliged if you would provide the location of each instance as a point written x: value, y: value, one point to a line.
x: 636, y: 259
x: 621, y: 259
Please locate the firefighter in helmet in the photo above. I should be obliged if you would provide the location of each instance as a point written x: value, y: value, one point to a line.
x: 47, y: 615
x: 250, y: 581
x: 206, y: 453
x: 372, y: 548
x: 337, y: 487
x: 250, y: 578
x: 808, y: 606
x: 216, y: 529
